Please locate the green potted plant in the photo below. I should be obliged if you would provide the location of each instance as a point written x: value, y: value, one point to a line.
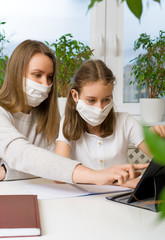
x: 3, y: 57
x: 70, y: 54
x: 149, y: 72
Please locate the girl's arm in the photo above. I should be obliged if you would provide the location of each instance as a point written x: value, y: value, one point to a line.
x: 62, y: 149
x: 2, y: 173
x: 144, y: 148
x: 160, y: 130
x: 63, y: 146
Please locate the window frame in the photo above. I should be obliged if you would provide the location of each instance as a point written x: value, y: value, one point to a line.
x: 107, y: 40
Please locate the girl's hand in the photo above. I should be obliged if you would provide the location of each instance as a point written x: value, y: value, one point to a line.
x: 2, y: 173
x: 159, y: 129
x: 118, y: 174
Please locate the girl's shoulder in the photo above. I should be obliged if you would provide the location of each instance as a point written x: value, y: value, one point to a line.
x: 124, y: 118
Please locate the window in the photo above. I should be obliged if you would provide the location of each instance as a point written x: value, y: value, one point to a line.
x: 152, y: 21
x: 113, y: 32
x: 44, y: 20
x: 109, y: 28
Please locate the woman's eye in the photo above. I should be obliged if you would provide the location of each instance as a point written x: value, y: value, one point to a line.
x: 50, y: 78
x: 37, y: 75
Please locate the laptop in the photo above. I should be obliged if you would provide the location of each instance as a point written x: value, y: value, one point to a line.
x: 146, y: 193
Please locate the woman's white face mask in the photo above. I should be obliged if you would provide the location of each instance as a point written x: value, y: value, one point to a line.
x: 93, y: 115
x: 35, y: 93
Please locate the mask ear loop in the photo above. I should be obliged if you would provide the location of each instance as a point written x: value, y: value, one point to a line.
x: 24, y: 89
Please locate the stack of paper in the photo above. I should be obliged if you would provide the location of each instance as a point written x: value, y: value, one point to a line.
x: 47, y: 189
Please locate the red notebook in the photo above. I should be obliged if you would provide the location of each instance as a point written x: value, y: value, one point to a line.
x: 19, y: 216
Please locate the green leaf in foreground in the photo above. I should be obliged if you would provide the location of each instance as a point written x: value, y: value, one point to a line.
x: 156, y: 145
x: 92, y: 2
x: 161, y: 207
x: 136, y: 7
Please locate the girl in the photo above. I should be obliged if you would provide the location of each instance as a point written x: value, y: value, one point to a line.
x: 91, y: 131
x: 29, y: 120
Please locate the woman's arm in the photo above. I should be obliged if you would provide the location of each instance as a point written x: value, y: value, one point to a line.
x: 119, y: 174
x: 23, y: 159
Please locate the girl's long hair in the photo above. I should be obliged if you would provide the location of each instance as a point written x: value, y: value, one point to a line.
x: 74, y: 125
x: 12, y: 97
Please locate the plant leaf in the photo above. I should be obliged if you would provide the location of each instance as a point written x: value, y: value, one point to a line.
x: 161, y: 207
x: 136, y: 7
x: 156, y: 145
x: 92, y: 2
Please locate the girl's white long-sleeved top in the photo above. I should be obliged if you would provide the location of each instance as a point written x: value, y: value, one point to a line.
x: 99, y: 153
x: 26, y: 154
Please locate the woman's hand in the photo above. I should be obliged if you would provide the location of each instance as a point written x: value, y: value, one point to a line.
x: 118, y: 174
x: 2, y: 173
x: 131, y: 183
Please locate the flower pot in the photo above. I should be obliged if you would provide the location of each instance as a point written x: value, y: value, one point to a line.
x: 152, y: 110
x: 62, y: 104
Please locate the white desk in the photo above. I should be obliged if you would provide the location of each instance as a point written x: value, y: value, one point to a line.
x: 90, y: 218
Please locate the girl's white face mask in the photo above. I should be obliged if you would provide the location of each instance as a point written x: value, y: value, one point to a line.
x: 93, y: 115
x: 35, y: 93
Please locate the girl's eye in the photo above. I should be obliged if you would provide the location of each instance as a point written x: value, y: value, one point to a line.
x: 107, y: 100
x: 91, y: 100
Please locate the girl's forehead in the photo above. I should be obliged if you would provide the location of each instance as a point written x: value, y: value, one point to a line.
x: 95, y: 88
x: 99, y: 83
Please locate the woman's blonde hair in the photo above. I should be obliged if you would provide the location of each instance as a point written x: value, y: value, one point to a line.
x: 74, y: 125
x: 12, y: 97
